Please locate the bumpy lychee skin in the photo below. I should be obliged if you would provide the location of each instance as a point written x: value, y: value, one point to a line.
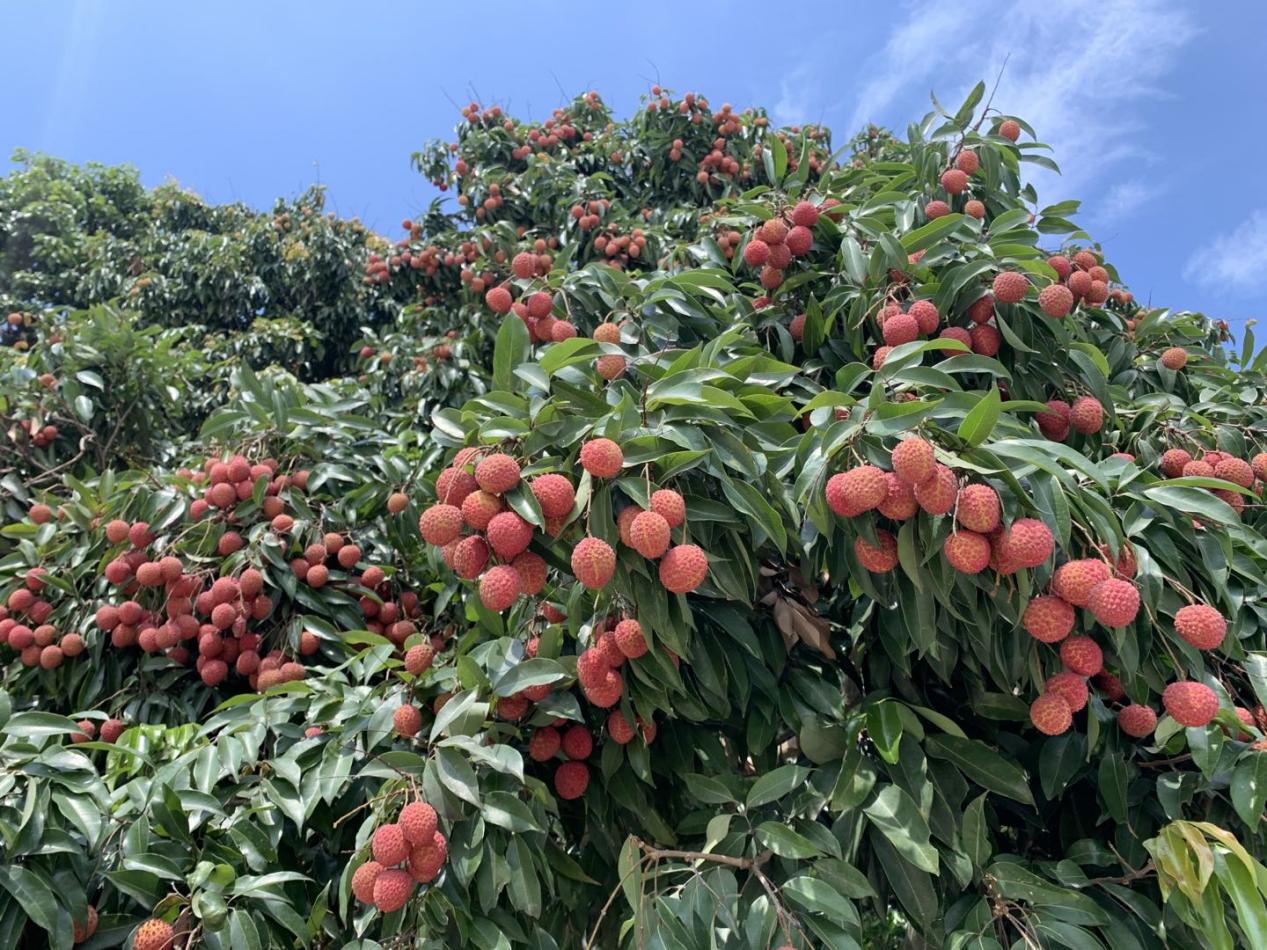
x: 1110, y: 686
x: 531, y: 569
x: 683, y: 568
x: 1086, y: 415
x: 419, y: 657
x: 1137, y: 721
x: 470, y: 555
x: 479, y: 507
x: 986, y: 340
x: 1114, y: 602
x: 363, y: 879
x: 593, y: 562
x: 900, y: 329
x: 756, y: 252
x: 978, y: 508
x: 508, y: 534
x: 1010, y: 287
x: 900, y: 503
x: 1056, y: 300
x: 440, y: 524
x: 153, y: 934
x: 499, y: 587
x: 1054, y: 424
x: 1050, y: 714
x: 407, y: 721
x: 577, y: 743
x: 571, y: 779
x: 1074, y: 580
x: 1198, y: 468
x: 602, y: 458
x: 499, y: 300
x: 555, y: 495
x: 982, y: 309
x: 1234, y: 470
x: 860, y: 489
x: 1173, y: 461
x: 1258, y: 464
x: 669, y: 505
x: 967, y: 161
x: 914, y: 461
x: 1071, y: 686
x: 937, y: 494
x: 497, y: 474
x: 1176, y: 358
x: 936, y: 209
x: 392, y: 890
x: 1200, y: 625
x: 619, y: 728
x: 1190, y: 704
x: 954, y: 180
x: 1048, y: 619
x: 799, y: 241
x: 967, y: 552
x: 630, y: 638
x: 389, y: 845
x: 1010, y: 129
x: 926, y: 316
x: 544, y: 744
x: 418, y: 822
x: 878, y: 559
x: 649, y: 534
x: 1082, y: 655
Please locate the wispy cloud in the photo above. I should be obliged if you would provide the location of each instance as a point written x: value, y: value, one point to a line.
x: 793, y: 107
x: 1235, y: 260
x: 1125, y: 198
x: 1075, y: 69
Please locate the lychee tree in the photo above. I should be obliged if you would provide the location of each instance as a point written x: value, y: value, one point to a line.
x: 757, y: 547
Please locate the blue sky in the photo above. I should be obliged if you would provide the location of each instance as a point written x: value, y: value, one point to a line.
x: 1155, y: 107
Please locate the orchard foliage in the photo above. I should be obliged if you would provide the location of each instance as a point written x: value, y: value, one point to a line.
x: 719, y: 542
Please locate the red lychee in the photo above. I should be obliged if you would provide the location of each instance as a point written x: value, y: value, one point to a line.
x: 978, y: 508
x: 593, y: 562
x: 937, y: 494
x: 1082, y: 655
x: 1056, y: 300
x: 683, y: 568
x: 1176, y: 358
x: 1190, y: 703
x: 649, y: 534
x: 363, y: 879
x: 1173, y: 461
x: 508, y: 535
x: 440, y: 524
x: 499, y: 587
x: 1137, y: 721
x: 1010, y: 287
x: 878, y: 559
x: 1054, y: 424
x: 544, y: 744
x: 1050, y: 714
x: 499, y: 300
x: 571, y: 779
x: 602, y: 458
x: 1048, y: 619
x: 497, y: 474
x: 1010, y: 129
x: 954, y: 180
x: 1071, y: 686
x: 392, y: 890
x: 1086, y: 415
x: 555, y: 495
x: 669, y: 505
x: 1114, y: 602
x: 913, y: 461
x: 1200, y: 625
x: 630, y: 638
x: 1073, y: 580
x: 967, y: 551
x: 389, y: 845
x: 900, y: 329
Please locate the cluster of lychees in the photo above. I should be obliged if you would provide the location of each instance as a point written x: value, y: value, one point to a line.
x: 40, y: 435
x: 23, y: 626
x: 1176, y: 463
x: 1084, y: 414
x: 773, y: 245
x: 978, y: 538
x: 954, y: 181
x: 410, y: 851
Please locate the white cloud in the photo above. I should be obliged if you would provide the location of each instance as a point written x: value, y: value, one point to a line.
x: 1073, y: 70
x: 793, y: 107
x: 1233, y: 261
x: 1124, y: 199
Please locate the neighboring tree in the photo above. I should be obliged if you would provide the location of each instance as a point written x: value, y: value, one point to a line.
x: 729, y: 544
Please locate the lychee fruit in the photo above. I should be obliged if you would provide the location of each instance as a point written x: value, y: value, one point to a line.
x: 649, y: 534
x: 982, y: 309
x: 1048, y: 619
x: 683, y: 568
x: 1060, y: 264
x: 1010, y: 287
x: 602, y: 458
x: 1173, y: 462
x: 1200, y: 625
x: 1071, y: 686
x: 508, y: 535
x: 453, y: 485
x: 856, y: 490
x: 407, y: 721
x: 967, y: 162
x: 418, y: 658
x: 880, y: 558
x: 1010, y: 129
x: 1109, y: 685
x: 470, y: 555
x: 499, y: 587
x: 389, y: 845
x: 571, y: 779
x: 363, y: 879
x: 805, y: 214
x: 936, y: 209
x: 926, y: 316
x: 577, y: 742
x: 669, y: 505
x: 1176, y: 358
x: 531, y: 569
x: 555, y: 495
x: 900, y: 329
x: 967, y: 551
x: 499, y: 300
x: 978, y: 508
x: 937, y: 494
x: 1082, y: 655
x: 799, y: 241
x: 1137, y: 721
x: 593, y: 562
x: 497, y: 474
x: 1074, y: 580
x: 1050, y: 714
x: 756, y: 252
x: 440, y: 524
x: 630, y: 639
x: 153, y: 934
x: 478, y: 509
x: 619, y: 728
x: 1234, y: 470
x: 900, y: 502
x: 1054, y: 424
x: 1056, y: 300
x: 913, y: 461
x: 1190, y: 703
x: 1114, y: 602
x: 986, y: 340
x: 1086, y: 415
x: 418, y: 822
x: 392, y: 890
x: 772, y: 231
x: 544, y: 744
x: 954, y: 180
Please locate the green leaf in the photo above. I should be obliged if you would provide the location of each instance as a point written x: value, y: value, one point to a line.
x: 979, y: 422
x: 895, y: 815
x: 775, y: 784
x: 536, y: 671
x: 785, y: 842
x: 982, y: 765
x: 456, y: 775
x: 1249, y: 788
x: 506, y: 811
x: 511, y: 349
